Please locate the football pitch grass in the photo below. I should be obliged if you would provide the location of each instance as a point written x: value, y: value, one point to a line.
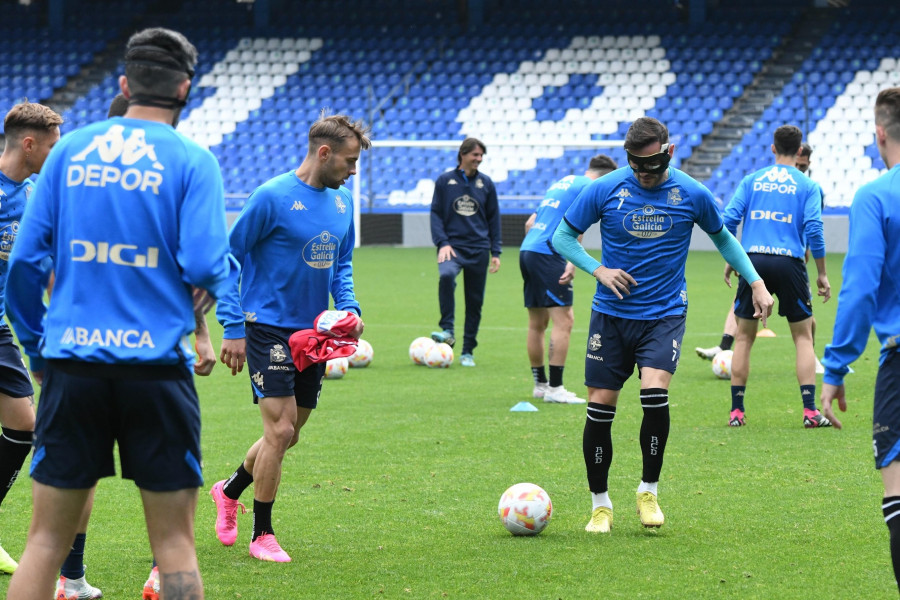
x: 392, y: 490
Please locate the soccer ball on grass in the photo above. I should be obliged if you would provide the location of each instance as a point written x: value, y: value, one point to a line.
x: 418, y: 348
x: 440, y: 356
x: 525, y: 509
x: 721, y: 364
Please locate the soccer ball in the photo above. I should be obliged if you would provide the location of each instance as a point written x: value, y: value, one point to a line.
x: 336, y: 368
x: 418, y: 348
x: 721, y: 364
x: 525, y: 509
x: 363, y: 355
x: 439, y: 355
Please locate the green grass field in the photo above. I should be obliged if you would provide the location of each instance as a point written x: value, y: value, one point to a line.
x: 392, y: 491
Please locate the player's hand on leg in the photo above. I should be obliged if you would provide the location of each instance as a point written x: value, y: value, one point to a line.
x: 762, y: 301
x: 568, y: 274
x: 445, y: 253
x: 234, y: 354
x: 824, y: 287
x: 829, y: 394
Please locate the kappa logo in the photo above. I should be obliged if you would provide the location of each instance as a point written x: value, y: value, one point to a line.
x: 298, y: 205
x: 452, y: 182
x: 277, y: 354
x: 250, y: 317
x: 339, y: 205
x: 594, y: 342
x: 623, y: 193
x: 776, y: 179
x: 258, y: 380
x: 113, y: 149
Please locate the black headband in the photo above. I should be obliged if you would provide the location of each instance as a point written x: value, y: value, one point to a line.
x: 154, y: 56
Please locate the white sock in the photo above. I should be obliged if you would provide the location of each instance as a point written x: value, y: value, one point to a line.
x: 601, y: 499
x: 648, y: 487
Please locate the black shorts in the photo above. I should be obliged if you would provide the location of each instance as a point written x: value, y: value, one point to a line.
x: 15, y: 380
x: 272, y: 371
x: 541, y: 273
x: 615, y: 345
x: 150, y: 410
x: 786, y: 278
x: 886, y: 413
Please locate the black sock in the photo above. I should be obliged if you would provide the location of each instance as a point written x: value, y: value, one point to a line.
x: 890, y: 506
x: 262, y: 518
x: 737, y: 397
x: 538, y: 374
x: 726, y: 342
x: 654, y: 431
x: 556, y: 376
x: 597, y: 445
x: 14, y: 448
x: 239, y: 481
x: 73, y: 568
x: 808, y: 395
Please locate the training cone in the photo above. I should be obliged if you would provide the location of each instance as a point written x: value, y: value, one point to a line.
x: 524, y: 407
x: 765, y: 332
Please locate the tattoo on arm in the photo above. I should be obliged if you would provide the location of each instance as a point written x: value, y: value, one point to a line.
x: 182, y: 585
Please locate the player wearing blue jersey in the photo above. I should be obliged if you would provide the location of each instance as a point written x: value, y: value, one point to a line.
x: 646, y: 213
x: 729, y: 329
x: 31, y: 131
x: 548, y: 283
x: 465, y: 227
x: 782, y: 214
x: 870, y: 296
x: 294, y: 239
x: 132, y: 214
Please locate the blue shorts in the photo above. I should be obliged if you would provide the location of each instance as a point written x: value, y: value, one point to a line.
x: 541, y: 273
x: 786, y: 278
x: 886, y: 413
x: 15, y: 380
x: 272, y: 371
x: 615, y: 345
x: 150, y: 410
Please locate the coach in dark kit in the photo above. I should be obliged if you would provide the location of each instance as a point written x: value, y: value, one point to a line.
x: 465, y: 227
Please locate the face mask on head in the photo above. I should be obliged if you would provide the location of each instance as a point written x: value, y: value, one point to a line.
x: 653, y: 164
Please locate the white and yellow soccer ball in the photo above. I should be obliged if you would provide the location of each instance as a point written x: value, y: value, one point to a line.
x: 525, y: 509
x: 336, y: 368
x: 418, y: 348
x: 721, y: 364
x: 439, y: 356
x: 363, y: 355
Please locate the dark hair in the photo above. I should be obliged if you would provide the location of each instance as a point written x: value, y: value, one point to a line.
x: 805, y: 149
x: 157, y: 61
x: 335, y: 130
x: 29, y: 116
x: 467, y: 146
x: 787, y: 140
x: 643, y: 131
x: 118, y: 106
x: 887, y: 112
x: 603, y: 164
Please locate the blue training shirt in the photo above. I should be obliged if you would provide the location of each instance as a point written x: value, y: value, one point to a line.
x: 870, y: 292
x: 550, y: 212
x: 132, y: 214
x: 295, y: 245
x: 782, y: 213
x: 13, y: 196
x: 647, y: 234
